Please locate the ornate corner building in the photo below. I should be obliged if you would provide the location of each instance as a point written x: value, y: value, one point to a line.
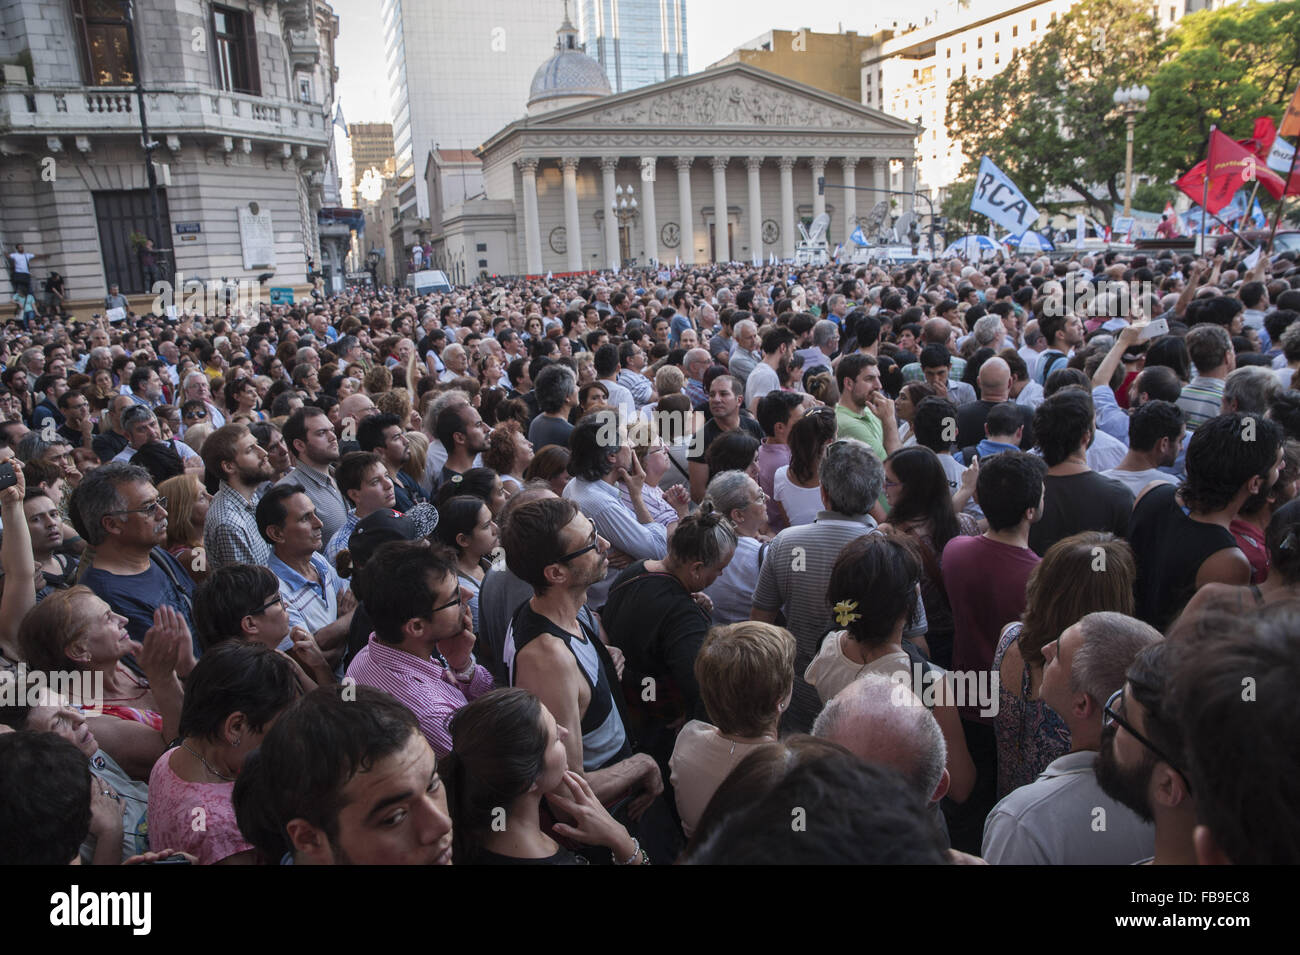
x: 239, y: 99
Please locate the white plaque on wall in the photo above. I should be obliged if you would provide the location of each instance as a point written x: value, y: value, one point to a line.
x: 257, y: 237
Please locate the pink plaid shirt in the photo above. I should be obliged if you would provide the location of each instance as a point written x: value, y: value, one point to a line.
x: 429, y: 690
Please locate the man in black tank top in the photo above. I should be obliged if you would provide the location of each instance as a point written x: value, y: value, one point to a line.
x: 1180, y: 537
x: 554, y: 648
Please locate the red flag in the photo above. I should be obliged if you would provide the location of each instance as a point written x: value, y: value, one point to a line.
x: 1262, y: 141
x: 1231, y: 166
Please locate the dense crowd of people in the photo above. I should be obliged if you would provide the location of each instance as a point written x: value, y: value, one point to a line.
x: 939, y: 563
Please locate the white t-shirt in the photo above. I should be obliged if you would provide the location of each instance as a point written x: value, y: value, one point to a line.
x: 831, y: 671
x: 22, y: 261
x: 1135, y: 481
x: 762, y: 380
x: 802, y: 504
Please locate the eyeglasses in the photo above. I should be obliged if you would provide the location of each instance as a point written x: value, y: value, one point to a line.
x: 451, y: 603
x: 150, y: 508
x: 196, y: 414
x: 1109, y: 716
x: 592, y: 543
x: 266, y: 606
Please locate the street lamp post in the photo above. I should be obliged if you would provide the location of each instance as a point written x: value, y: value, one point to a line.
x: 624, y: 208
x: 1132, y: 101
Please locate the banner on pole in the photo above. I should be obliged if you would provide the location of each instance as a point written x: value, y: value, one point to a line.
x: 997, y: 197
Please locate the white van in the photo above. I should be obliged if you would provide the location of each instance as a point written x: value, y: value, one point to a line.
x: 428, y: 282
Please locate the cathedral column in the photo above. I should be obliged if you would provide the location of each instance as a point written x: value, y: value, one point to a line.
x: 532, y: 228
x: 607, y: 167
x: 572, y: 223
x: 685, y: 210
x: 722, y: 248
x: 850, y: 165
x: 754, y: 164
x: 787, y: 206
x: 649, y: 220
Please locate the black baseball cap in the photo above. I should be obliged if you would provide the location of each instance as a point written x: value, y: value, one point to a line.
x: 379, y: 528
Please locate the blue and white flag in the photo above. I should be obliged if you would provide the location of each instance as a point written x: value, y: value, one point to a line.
x: 1257, y: 217
x: 997, y: 197
x: 858, y: 237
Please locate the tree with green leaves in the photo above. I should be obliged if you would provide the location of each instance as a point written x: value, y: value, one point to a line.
x: 1220, y: 67
x: 1048, y: 119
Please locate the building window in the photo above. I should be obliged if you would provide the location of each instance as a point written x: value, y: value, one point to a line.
x: 105, y: 50
x: 948, y: 52
x: 997, y: 58
x: 236, y: 50
x: 1053, y: 18
x: 1033, y: 26
x: 963, y: 47
x: 1015, y: 30
x: 304, y: 89
x: 979, y: 43
x: 480, y: 247
x: 482, y: 263
x: 916, y: 75
x: 949, y: 74
x: 979, y: 64
x: 997, y: 37
x: 1173, y: 14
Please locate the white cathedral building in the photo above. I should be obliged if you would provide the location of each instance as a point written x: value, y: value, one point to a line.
x: 717, y: 166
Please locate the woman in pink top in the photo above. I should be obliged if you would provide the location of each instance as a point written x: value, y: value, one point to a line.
x: 746, y: 674
x: 233, y: 696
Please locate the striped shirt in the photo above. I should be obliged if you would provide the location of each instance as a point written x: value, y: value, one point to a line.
x: 427, y: 688
x: 311, y: 604
x: 1201, y: 400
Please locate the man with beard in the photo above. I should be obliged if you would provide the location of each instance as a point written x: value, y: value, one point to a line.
x: 1141, y: 750
x: 1063, y: 817
x: 461, y: 430
x: 553, y: 647
x: 778, y: 346
x: 383, y: 434
x: 230, y: 536
x: 345, y: 777
x: 309, y: 433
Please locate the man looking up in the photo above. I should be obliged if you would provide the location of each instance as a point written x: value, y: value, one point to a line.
x: 315, y: 447
x: 230, y: 535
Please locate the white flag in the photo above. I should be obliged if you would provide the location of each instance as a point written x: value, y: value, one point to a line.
x: 1253, y: 259
x: 997, y: 197
x: 1079, y: 228
x: 1279, y: 157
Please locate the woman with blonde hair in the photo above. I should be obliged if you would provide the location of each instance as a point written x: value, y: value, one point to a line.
x: 745, y: 673
x: 195, y: 435
x: 187, y: 509
x: 1081, y: 574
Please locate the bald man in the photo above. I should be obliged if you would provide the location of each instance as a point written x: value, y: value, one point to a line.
x: 881, y: 721
x: 995, y: 388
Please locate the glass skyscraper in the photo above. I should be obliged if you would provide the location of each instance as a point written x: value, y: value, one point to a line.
x: 638, y: 42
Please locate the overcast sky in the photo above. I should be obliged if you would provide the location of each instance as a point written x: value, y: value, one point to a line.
x: 715, y: 28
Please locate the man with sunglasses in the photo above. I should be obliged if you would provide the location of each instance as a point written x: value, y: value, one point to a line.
x: 1063, y: 817
x: 421, y: 650
x: 1141, y: 753
x: 119, y: 513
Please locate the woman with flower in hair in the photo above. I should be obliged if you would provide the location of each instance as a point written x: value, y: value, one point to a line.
x: 873, y: 591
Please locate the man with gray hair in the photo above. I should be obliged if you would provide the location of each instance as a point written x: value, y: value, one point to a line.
x: 140, y: 425
x: 825, y: 343
x: 695, y: 363
x: 746, y: 354
x: 798, y: 562
x: 880, y: 720
x: 119, y: 513
x: 196, y: 388
x: 1063, y: 817
x: 989, y: 332
x: 1250, y: 390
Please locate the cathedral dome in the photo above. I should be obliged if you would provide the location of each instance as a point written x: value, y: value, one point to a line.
x: 570, y: 76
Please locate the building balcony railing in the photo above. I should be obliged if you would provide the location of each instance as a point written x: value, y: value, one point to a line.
x: 97, y: 110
